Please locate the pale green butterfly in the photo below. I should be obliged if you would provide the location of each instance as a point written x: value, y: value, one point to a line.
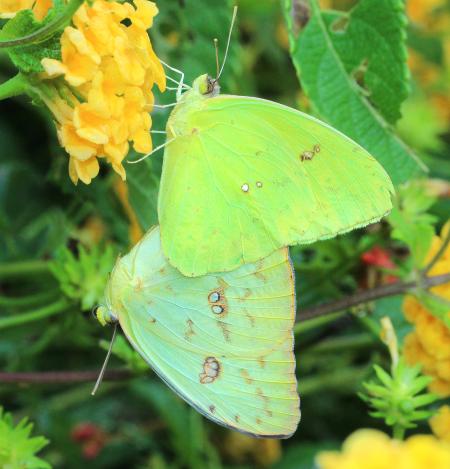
x: 223, y: 342
x: 244, y: 176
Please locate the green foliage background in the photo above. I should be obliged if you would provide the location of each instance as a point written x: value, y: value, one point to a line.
x: 58, y: 242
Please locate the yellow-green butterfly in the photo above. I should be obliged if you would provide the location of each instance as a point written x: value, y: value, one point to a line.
x: 243, y: 177
x: 223, y: 342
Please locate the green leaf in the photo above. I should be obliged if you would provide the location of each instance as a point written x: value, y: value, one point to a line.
x: 187, y: 433
x: 143, y: 186
x: 28, y: 58
x: 383, y: 376
x: 396, y: 399
x: 417, y: 236
x: 17, y: 447
x: 83, y: 278
x: 353, y: 68
x: 410, y: 220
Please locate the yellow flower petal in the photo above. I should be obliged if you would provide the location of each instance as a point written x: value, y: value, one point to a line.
x: 84, y: 170
x: 9, y: 8
x: 372, y: 449
x: 77, y: 147
x: 440, y: 423
x: 429, y: 344
x: 112, y: 69
x: 53, y: 68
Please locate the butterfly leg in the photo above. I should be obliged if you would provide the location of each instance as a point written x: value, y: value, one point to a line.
x: 180, y: 85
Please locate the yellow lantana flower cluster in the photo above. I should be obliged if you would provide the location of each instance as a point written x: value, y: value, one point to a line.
x: 372, y: 449
x: 9, y: 8
x: 109, y: 65
x: 429, y: 343
x: 440, y: 423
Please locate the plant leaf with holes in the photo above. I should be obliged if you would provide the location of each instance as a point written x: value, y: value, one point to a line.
x: 353, y: 68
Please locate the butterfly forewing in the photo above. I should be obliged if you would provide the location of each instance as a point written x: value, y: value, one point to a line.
x: 223, y: 342
x: 253, y: 176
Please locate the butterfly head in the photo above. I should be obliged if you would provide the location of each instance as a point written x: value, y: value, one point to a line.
x: 206, y: 86
x: 104, y: 315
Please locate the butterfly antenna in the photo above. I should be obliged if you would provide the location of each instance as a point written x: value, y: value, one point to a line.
x: 102, y: 371
x: 233, y: 19
x: 216, y: 42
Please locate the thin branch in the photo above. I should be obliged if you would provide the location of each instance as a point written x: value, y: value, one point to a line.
x: 438, y: 254
x: 23, y: 268
x: 54, y: 377
x: 64, y: 377
x: 56, y: 307
x: 366, y: 296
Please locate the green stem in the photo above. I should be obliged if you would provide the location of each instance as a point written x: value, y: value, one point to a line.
x: 40, y: 313
x: 398, y: 432
x: 29, y: 300
x: 313, y: 323
x: 346, y: 342
x: 21, y: 268
x: 15, y: 86
x: 345, y: 380
x: 370, y: 324
x: 46, y: 31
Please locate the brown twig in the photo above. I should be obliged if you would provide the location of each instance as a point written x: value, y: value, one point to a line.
x: 366, y: 296
x: 54, y: 377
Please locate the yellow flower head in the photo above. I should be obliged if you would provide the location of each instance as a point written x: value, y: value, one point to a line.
x: 110, y: 65
x: 372, y: 449
x: 429, y: 343
x: 9, y: 8
x: 440, y: 423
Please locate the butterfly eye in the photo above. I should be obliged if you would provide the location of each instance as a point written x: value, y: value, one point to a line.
x: 94, y: 312
x: 211, y: 85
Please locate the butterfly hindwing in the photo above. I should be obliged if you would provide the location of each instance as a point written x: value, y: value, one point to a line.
x: 223, y: 342
x: 248, y: 176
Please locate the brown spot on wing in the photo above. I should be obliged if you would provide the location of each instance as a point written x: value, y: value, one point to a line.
x: 259, y: 267
x: 189, y: 329
x: 212, y: 408
x: 309, y: 154
x: 265, y: 401
x: 237, y: 418
x: 251, y: 319
x: 211, y: 370
x: 261, y: 276
x: 139, y: 285
x: 261, y: 361
x: 225, y: 331
x: 245, y: 374
x: 217, y: 299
